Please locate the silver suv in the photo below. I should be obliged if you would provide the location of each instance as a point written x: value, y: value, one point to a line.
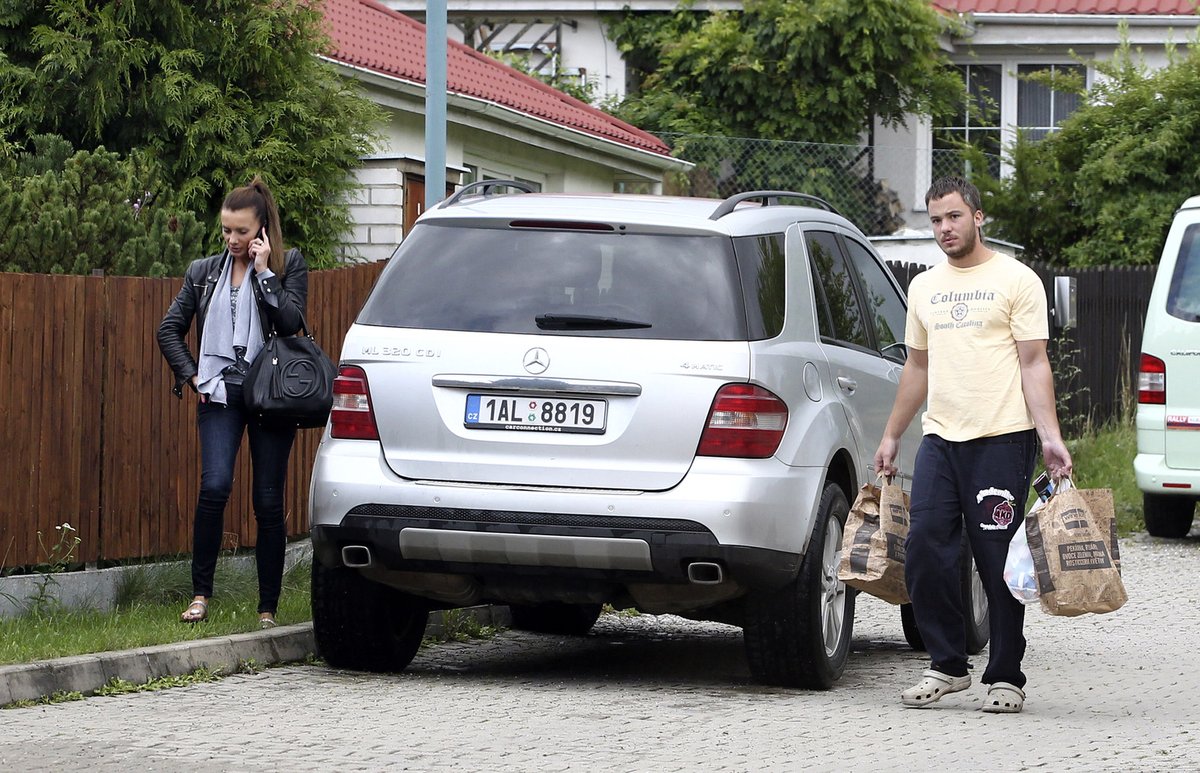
x: 556, y: 402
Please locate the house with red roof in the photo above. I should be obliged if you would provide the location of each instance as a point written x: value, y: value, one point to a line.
x: 991, y: 42
x: 501, y: 124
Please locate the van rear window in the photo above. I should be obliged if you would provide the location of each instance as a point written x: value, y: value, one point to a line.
x: 596, y: 283
x: 1183, y: 296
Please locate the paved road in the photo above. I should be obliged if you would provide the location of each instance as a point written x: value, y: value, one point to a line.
x: 1106, y: 693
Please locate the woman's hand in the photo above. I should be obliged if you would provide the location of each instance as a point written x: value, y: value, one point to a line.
x: 260, y: 251
x: 196, y: 388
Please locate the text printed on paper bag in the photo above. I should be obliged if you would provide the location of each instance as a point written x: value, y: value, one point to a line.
x: 1092, y: 554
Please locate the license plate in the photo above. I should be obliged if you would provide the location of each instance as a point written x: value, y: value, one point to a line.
x: 536, y: 414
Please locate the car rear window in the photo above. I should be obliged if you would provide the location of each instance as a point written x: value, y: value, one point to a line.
x: 1183, y: 296
x: 544, y: 281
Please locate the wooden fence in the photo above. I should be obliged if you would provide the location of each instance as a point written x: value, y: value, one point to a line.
x: 1104, y: 347
x: 92, y: 435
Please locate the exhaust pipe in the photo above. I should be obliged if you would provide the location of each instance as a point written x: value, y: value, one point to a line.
x: 356, y: 556
x: 705, y: 573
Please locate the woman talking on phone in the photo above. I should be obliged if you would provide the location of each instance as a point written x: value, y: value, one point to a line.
x: 237, y: 298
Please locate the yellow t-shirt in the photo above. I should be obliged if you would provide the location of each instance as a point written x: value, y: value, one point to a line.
x: 969, y: 320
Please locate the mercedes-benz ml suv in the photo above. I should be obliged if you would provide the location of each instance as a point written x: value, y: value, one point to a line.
x: 560, y: 401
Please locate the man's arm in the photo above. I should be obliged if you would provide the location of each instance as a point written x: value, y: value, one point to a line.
x: 1037, y: 380
x: 910, y: 395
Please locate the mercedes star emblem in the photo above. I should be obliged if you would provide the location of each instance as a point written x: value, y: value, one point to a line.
x: 536, y: 360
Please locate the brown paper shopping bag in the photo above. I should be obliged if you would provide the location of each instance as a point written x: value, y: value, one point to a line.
x: 873, y: 543
x: 1073, y: 542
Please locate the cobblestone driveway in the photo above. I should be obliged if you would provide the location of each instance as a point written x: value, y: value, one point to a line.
x: 1112, y: 692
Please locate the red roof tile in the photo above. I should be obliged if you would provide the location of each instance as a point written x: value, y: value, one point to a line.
x: 369, y: 35
x: 1098, y: 7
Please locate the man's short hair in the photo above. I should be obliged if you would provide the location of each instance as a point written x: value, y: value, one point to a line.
x: 944, y: 186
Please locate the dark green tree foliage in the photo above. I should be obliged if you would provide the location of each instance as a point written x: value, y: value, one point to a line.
x: 65, y: 212
x: 801, y: 70
x: 213, y: 91
x: 1102, y: 189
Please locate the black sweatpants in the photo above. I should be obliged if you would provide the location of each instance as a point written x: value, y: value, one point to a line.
x: 983, y: 484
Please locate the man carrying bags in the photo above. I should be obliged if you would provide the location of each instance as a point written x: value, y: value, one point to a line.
x: 976, y: 335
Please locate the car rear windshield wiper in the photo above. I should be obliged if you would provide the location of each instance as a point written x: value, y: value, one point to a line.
x: 585, y: 322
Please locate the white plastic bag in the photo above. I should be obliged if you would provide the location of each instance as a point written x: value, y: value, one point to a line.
x: 1019, y: 572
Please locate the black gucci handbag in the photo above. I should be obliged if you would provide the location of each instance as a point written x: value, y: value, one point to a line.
x: 290, y: 382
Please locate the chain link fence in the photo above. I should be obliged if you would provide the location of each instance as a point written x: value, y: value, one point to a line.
x: 857, y: 180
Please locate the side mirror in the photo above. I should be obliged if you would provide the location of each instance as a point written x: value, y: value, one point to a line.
x: 1066, y: 312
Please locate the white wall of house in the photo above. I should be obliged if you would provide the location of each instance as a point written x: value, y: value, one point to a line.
x: 483, y: 141
x: 377, y: 210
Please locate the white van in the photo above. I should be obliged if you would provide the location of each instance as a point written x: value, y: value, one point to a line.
x: 1167, y: 464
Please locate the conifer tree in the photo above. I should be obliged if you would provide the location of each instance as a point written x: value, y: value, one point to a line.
x: 64, y: 212
x: 211, y: 91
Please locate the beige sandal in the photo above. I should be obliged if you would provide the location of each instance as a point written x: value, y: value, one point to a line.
x: 1004, y: 698
x: 197, y: 612
x: 266, y: 622
x: 931, y: 688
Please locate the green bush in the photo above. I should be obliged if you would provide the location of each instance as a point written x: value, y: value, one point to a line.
x: 1102, y: 189
x: 74, y: 212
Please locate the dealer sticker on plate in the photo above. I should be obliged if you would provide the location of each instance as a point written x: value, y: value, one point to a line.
x: 536, y: 414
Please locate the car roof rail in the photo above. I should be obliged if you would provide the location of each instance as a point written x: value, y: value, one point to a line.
x: 485, y: 188
x: 769, y: 198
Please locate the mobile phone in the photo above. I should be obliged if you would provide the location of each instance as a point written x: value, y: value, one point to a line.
x: 1043, y: 485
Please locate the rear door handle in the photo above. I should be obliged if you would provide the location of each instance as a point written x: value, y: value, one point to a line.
x: 847, y: 384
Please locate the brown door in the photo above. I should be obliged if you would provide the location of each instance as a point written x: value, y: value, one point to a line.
x: 414, y: 199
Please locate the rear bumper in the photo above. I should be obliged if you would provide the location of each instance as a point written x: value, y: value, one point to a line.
x: 753, y: 517
x: 443, y: 541
x: 1155, y: 477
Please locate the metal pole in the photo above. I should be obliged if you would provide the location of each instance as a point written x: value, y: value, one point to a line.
x: 435, y: 102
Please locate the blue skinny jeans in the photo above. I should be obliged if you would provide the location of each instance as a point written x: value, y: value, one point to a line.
x: 221, y: 428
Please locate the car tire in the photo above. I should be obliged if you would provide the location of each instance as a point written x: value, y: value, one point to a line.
x: 555, y: 617
x: 1168, y: 516
x: 363, y: 625
x: 974, y: 604
x: 799, y: 635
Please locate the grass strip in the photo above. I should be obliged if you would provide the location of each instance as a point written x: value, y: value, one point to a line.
x: 149, y: 603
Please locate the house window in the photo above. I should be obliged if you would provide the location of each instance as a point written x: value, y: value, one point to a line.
x: 1039, y: 109
x: 976, y: 123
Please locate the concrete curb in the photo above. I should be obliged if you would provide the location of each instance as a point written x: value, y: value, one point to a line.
x: 88, y: 673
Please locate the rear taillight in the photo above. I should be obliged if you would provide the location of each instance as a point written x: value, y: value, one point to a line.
x: 1152, y: 381
x: 352, y: 416
x: 746, y: 421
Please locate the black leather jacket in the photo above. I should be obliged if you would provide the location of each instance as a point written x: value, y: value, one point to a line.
x: 281, y: 306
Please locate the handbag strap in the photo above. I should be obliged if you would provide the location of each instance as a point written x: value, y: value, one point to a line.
x: 303, y: 329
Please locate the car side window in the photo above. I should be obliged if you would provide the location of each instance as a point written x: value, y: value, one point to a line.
x: 761, y: 265
x: 1183, y: 295
x: 837, y: 302
x: 885, y: 308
